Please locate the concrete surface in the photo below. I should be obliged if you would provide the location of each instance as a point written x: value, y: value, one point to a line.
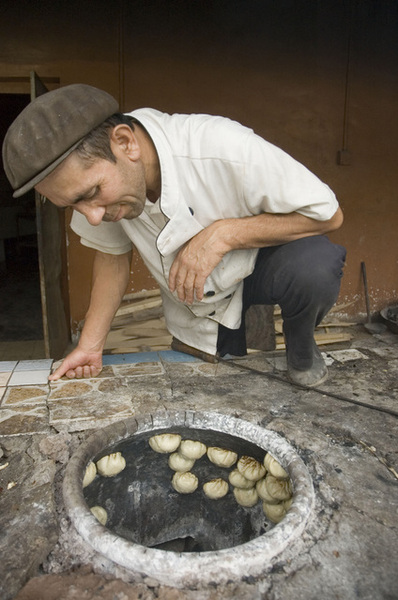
x: 350, y: 546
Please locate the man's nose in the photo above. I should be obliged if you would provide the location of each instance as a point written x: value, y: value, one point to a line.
x: 93, y: 214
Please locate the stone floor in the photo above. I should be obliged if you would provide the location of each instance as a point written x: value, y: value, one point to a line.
x: 350, y: 546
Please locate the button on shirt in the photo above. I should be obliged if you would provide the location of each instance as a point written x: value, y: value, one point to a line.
x: 212, y: 168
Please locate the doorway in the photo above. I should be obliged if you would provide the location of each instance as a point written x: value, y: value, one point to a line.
x: 21, y: 322
x: 49, y: 224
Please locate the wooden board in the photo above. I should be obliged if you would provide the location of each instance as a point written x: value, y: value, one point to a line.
x: 140, y: 326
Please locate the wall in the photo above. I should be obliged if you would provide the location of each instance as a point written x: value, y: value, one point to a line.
x: 313, y: 77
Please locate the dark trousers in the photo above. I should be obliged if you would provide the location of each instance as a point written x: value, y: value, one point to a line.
x: 303, y: 277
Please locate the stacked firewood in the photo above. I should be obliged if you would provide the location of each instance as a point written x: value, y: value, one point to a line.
x: 139, y: 326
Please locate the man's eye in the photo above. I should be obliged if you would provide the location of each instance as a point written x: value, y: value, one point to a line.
x: 92, y: 194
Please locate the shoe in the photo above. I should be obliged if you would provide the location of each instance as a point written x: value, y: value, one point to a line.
x: 312, y: 377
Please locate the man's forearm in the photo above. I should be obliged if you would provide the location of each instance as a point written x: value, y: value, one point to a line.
x: 110, y: 279
x: 271, y: 230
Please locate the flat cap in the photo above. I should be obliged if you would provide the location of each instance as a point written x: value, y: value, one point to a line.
x: 49, y: 129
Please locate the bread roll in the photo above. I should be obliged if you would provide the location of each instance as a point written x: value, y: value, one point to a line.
x: 264, y: 494
x: 216, y: 488
x: 246, y: 498
x: 165, y: 442
x: 280, y: 489
x: 250, y: 468
x: 192, y: 449
x: 111, y: 465
x: 237, y: 480
x: 178, y: 462
x: 89, y: 475
x: 184, y: 483
x: 100, y: 514
x: 272, y: 465
x: 221, y: 456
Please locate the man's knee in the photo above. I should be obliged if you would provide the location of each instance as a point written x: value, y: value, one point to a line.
x: 311, y: 266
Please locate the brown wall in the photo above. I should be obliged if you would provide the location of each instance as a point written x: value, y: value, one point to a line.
x: 313, y: 77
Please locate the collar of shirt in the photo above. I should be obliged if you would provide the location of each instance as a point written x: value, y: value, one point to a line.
x: 180, y: 225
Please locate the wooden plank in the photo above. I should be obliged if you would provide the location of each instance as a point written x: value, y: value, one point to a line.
x: 141, y: 325
x: 339, y: 324
x: 135, y: 307
x: 140, y: 341
x: 127, y: 349
x: 144, y: 341
x: 324, y: 325
x: 320, y: 338
x: 140, y: 295
x: 139, y: 317
x: 338, y: 307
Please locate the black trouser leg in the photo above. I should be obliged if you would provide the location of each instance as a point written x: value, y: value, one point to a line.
x: 303, y: 277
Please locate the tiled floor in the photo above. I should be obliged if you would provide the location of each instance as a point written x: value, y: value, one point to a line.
x: 29, y: 403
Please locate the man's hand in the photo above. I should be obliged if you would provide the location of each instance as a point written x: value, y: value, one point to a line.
x: 195, y: 261
x: 79, y: 364
x: 110, y: 279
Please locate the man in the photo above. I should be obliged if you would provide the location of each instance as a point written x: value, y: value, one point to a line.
x: 222, y: 218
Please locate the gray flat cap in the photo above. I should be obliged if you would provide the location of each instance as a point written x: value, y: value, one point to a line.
x: 49, y: 129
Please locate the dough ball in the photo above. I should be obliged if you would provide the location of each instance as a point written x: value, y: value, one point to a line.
x: 251, y: 468
x: 216, y: 488
x: 221, y: 456
x: 111, y: 465
x: 274, y: 467
x: 274, y: 512
x: 192, y: 449
x: 246, y: 498
x: 264, y: 494
x: 178, y: 462
x: 280, y: 489
x: 100, y: 514
x: 89, y: 475
x: 237, y: 480
x: 165, y: 442
x: 184, y: 483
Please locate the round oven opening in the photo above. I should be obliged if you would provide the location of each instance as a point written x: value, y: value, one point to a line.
x: 184, y: 539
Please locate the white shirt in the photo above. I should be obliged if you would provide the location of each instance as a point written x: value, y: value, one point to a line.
x: 212, y: 168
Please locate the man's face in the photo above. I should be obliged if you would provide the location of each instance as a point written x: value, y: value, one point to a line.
x: 101, y: 191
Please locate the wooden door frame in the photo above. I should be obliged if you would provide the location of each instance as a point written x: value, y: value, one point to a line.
x: 54, y: 344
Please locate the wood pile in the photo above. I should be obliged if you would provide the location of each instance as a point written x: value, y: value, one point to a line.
x: 139, y: 326
x: 328, y: 332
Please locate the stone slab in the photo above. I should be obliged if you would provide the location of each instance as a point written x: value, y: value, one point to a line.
x: 28, y: 521
x: 90, y: 411
x: 34, y: 365
x: 133, y: 357
x: 348, y: 354
x: 84, y: 584
x: 27, y: 419
x: 33, y: 394
x: 7, y: 365
x: 172, y: 356
x: 4, y: 378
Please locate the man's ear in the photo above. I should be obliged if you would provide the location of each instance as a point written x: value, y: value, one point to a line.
x: 123, y: 138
